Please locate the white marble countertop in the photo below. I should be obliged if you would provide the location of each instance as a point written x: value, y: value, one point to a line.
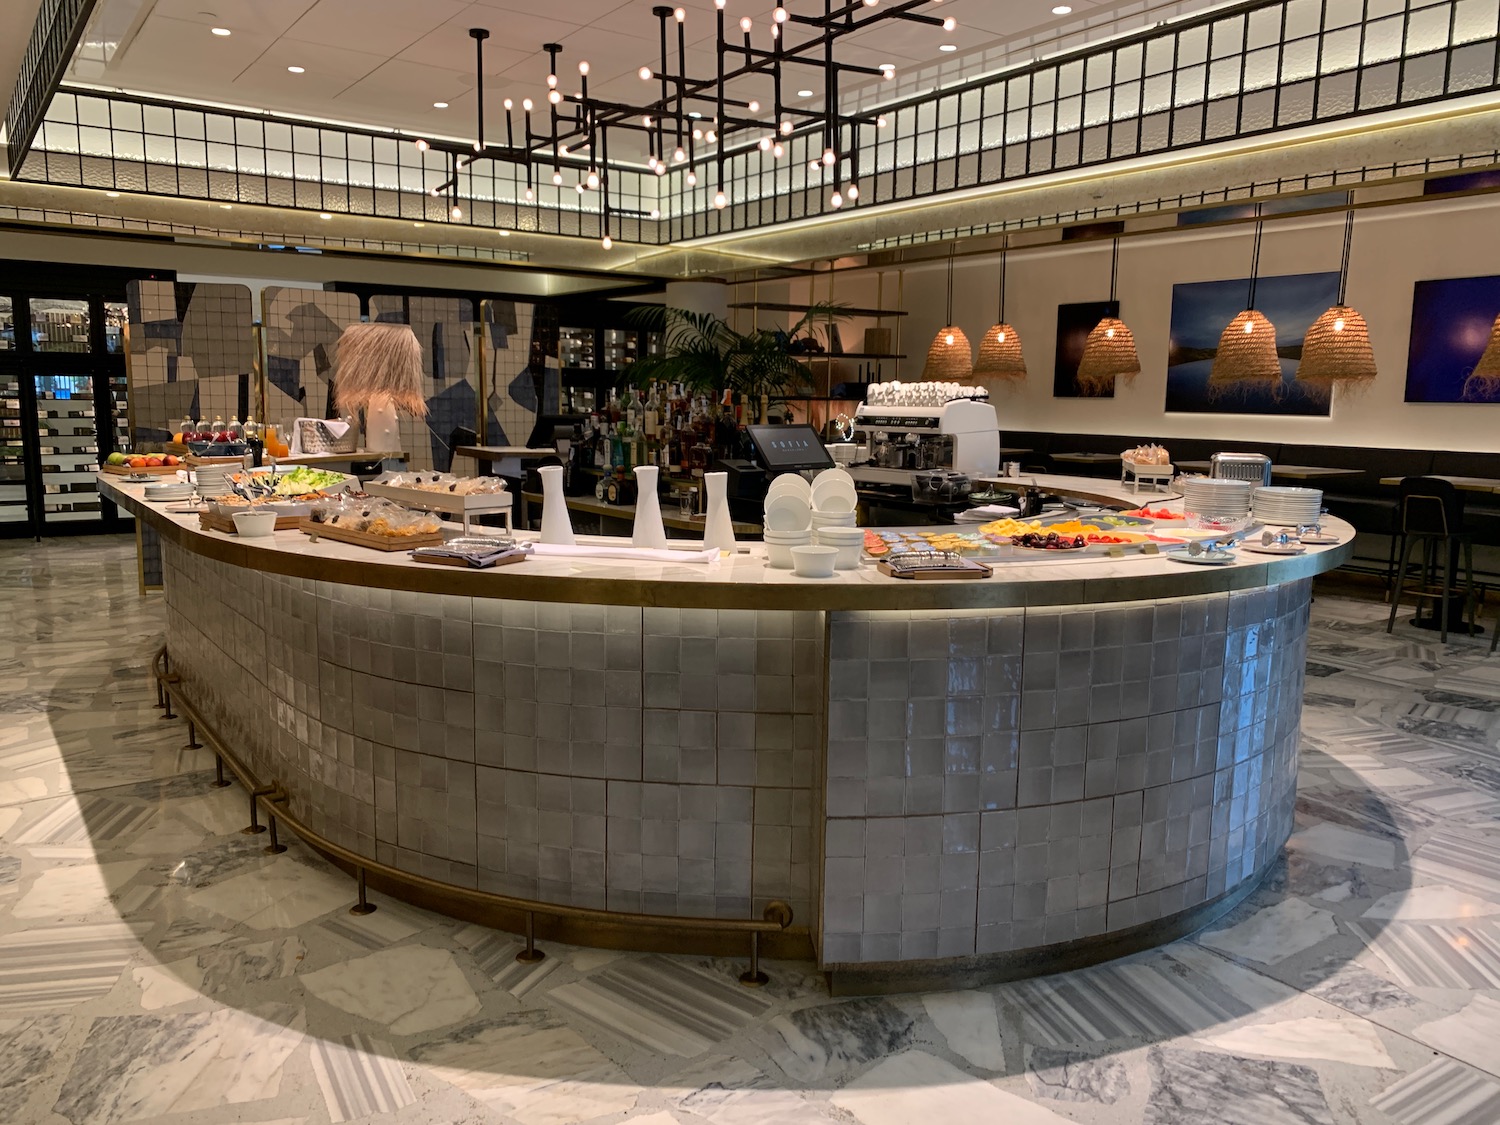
x: 741, y: 581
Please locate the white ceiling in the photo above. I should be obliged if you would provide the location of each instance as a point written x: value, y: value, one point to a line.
x: 384, y: 62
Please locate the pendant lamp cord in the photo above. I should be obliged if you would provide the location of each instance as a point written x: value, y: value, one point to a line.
x: 1114, y: 269
x: 952, y: 247
x: 1004, y: 254
x: 1344, y: 262
x: 1255, y: 259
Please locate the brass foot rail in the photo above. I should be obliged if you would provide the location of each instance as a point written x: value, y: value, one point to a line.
x: 274, y: 800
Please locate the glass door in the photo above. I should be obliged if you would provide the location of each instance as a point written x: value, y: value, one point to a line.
x: 14, y: 509
x: 67, y: 447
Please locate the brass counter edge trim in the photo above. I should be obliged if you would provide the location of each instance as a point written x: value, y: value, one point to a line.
x: 773, y: 933
x: 670, y: 594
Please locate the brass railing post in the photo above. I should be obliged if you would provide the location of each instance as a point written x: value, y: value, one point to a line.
x: 220, y: 781
x: 364, y: 905
x: 531, y: 954
x: 192, y: 742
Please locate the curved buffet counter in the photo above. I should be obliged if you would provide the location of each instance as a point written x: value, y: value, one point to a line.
x: 944, y: 781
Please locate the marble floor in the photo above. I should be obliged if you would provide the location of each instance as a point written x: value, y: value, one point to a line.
x: 156, y: 966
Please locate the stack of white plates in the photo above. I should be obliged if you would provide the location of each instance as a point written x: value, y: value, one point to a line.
x: 168, y: 490
x: 1215, y: 498
x: 832, y: 519
x: 1288, y: 506
x: 213, y: 480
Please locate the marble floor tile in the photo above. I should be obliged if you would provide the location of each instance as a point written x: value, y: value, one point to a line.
x: 156, y: 966
x: 408, y: 989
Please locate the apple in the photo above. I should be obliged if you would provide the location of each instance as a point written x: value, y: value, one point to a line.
x: 115, y: 459
x: 171, y: 460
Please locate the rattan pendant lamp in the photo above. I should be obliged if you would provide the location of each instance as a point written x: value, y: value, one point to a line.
x: 1247, y: 359
x: 1109, y: 352
x: 950, y: 358
x: 1000, y: 354
x: 1336, y: 350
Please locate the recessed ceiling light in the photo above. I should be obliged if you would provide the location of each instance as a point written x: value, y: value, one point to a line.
x: 1061, y: 10
x: 113, y: 194
x: 325, y: 215
x: 296, y: 70
x: 886, y: 66
x: 505, y: 234
x: 804, y: 93
x: 221, y: 31
x: 227, y: 206
x: 947, y: 47
x: 439, y: 105
x: 419, y: 224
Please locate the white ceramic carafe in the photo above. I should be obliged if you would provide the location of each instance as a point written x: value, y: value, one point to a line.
x: 718, y: 528
x: 557, y: 525
x: 649, y: 530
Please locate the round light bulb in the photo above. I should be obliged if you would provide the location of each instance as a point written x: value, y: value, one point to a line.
x: 551, y: 81
x: 1338, y: 324
x: 655, y: 214
x: 852, y: 191
x: 1110, y: 332
x: 527, y: 104
x: 554, y: 97
x: 578, y: 187
x: 828, y: 157
x: 679, y: 156
x: 765, y: 144
x: 720, y: 200
x: 562, y: 150
x: 422, y: 146
x: 777, y: 151
x: 593, y: 181
x: 836, y: 200
x: 1249, y: 327
x: 557, y: 178
x: 814, y: 166
x: 949, y: 24
x: 948, y: 339
x: 779, y: 15
x: 744, y: 24
x: 652, y: 163
x: 509, y: 105
x: 457, y: 212
x: 607, y: 242
x: 583, y: 67
x: 679, y: 15
x: 692, y: 179
x: 661, y: 169
x: 786, y: 128
x: 530, y: 195
x: 1000, y: 335
x: 697, y: 134
x: 645, y: 73
x: 754, y: 106
x: 880, y: 122
x: 710, y: 136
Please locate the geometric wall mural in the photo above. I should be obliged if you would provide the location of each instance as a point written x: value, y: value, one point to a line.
x: 1450, y: 326
x: 192, y: 353
x: 510, y: 383
x: 445, y: 328
x: 1201, y: 309
x: 301, y: 329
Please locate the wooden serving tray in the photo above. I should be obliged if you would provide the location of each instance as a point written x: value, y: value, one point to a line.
x: 972, y: 569
x: 211, y: 521
x: 365, y: 539
x: 126, y: 470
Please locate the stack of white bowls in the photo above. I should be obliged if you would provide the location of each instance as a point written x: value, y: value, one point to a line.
x: 1290, y: 506
x: 779, y: 545
x: 834, y: 499
x: 848, y: 541
x: 1216, y: 500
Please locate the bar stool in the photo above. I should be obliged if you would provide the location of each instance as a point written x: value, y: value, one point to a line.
x: 1431, y: 512
x: 1254, y: 467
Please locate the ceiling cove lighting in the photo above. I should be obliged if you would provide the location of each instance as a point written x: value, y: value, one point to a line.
x: 221, y: 32
x: 748, y: 53
x: 296, y: 70
x: 1336, y: 350
x: 1062, y: 10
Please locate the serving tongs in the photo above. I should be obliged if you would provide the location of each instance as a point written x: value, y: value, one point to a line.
x: 1221, y: 546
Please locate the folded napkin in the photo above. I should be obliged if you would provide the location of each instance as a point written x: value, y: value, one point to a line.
x: 986, y: 512
x: 633, y: 554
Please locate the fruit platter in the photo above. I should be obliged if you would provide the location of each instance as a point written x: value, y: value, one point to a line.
x: 886, y: 543
x: 1159, y: 515
x: 152, y: 464
x: 1068, y: 536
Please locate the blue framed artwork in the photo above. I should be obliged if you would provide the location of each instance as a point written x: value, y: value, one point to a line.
x: 1074, y: 323
x: 1450, y: 326
x: 1201, y: 309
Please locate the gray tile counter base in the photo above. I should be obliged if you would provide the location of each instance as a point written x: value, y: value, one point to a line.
x: 999, y: 782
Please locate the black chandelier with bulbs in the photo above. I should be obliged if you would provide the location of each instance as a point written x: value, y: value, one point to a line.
x: 694, y: 125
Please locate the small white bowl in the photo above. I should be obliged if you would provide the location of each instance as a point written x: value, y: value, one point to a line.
x: 779, y: 555
x: 838, y: 536
x: 814, y: 562
x: 833, y: 519
x: 253, y: 525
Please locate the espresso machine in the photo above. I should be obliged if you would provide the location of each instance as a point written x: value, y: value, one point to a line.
x: 962, y: 434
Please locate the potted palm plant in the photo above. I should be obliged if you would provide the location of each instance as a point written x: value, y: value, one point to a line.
x: 705, y: 353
